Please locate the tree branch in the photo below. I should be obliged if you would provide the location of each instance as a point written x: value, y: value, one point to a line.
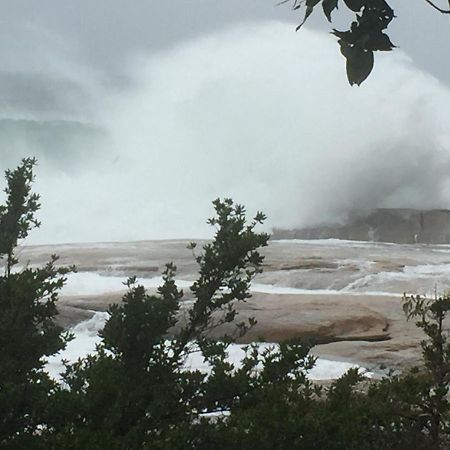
x: 443, y: 11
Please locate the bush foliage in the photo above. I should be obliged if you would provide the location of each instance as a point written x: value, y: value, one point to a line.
x: 135, y: 391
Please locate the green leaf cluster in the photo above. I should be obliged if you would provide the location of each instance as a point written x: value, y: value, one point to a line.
x: 28, y: 333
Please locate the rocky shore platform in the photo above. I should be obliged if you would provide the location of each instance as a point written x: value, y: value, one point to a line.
x: 345, y: 296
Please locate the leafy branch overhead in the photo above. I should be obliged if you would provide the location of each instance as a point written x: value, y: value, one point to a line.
x: 364, y: 37
x: 366, y: 34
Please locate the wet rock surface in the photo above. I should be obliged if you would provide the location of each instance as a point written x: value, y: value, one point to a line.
x: 343, y: 295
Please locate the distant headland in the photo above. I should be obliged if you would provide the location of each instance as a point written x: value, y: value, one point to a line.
x: 401, y: 226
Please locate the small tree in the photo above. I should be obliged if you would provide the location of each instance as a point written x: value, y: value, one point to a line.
x: 134, y: 389
x: 28, y: 332
x: 430, y: 315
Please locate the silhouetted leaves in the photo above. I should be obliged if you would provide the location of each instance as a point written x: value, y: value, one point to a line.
x: 365, y: 35
x: 310, y: 4
x: 355, y: 5
x: 359, y: 62
x: 328, y: 7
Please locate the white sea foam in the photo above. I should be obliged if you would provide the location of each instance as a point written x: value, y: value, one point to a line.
x: 85, y: 340
x: 92, y: 283
x: 324, y: 369
x: 282, y: 290
x: 427, y: 270
x: 420, y: 278
x: 332, y: 242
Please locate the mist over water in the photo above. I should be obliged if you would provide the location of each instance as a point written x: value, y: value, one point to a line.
x: 257, y: 113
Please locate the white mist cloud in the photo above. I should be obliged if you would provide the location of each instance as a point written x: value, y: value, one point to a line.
x: 265, y: 116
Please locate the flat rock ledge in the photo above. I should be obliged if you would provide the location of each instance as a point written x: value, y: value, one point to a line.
x: 365, y: 329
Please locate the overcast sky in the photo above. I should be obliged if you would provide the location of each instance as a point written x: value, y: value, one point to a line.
x: 105, y: 34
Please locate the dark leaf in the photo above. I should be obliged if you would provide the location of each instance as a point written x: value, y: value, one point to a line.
x: 328, y: 7
x: 310, y: 4
x: 354, y: 5
x: 359, y: 62
x: 379, y: 41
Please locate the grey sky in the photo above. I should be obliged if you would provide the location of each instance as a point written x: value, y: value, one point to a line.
x: 103, y: 34
x: 106, y: 32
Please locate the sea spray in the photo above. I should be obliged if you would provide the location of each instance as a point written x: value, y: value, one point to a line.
x: 256, y: 113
